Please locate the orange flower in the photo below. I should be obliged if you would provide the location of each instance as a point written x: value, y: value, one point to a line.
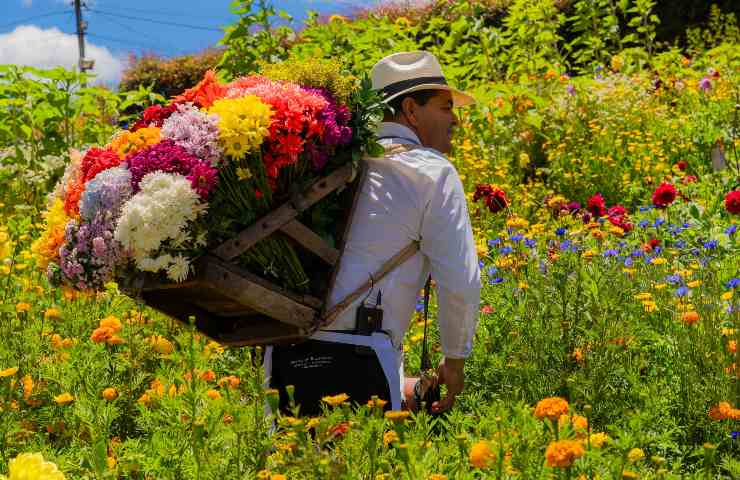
x: 376, y: 402
x: 389, y: 437
x: 577, y: 421
x: 112, y: 322
x: 551, y: 407
x: 101, y: 335
x: 22, y: 307
x: 723, y: 411
x: 690, y: 318
x: 213, y: 394
x: 27, y: 382
x: 231, y: 381
x: 397, y: 416
x: 481, y: 455
x: 563, y: 453
x: 110, y: 394
x: 161, y: 345
x: 208, y: 376
x: 732, y: 346
x: 335, y: 400
x: 205, y: 92
x: 52, y: 313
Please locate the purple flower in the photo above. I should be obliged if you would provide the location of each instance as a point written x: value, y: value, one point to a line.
x: 705, y: 84
x: 195, y: 131
x: 571, y: 89
x: 166, y: 156
x: 203, y: 177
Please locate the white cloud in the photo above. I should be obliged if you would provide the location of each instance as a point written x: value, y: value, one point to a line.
x: 36, y: 47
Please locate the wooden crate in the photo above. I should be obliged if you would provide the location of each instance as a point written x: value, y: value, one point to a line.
x: 237, y: 308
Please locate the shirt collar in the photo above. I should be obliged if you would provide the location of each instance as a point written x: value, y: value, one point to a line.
x: 392, y: 130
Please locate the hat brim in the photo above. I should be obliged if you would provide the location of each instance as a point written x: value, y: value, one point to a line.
x: 459, y: 98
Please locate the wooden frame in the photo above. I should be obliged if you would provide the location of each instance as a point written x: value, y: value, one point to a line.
x: 236, y: 307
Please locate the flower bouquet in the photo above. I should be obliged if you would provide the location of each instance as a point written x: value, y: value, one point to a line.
x: 190, y: 175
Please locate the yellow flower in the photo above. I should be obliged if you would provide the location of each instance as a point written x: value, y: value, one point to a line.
x: 64, y: 399
x: 337, y: 18
x: 616, y: 63
x: 397, y: 416
x: 660, y: 286
x: 52, y: 313
x: 46, y: 247
x: 551, y: 407
x: 244, y: 174
x: 213, y: 394
x: 126, y: 142
x: 161, y: 345
x: 598, y: 439
x: 8, y: 372
x: 635, y: 455
x: 693, y: 284
x: 376, y: 402
x: 32, y: 466
x: 278, y: 476
x: 112, y: 322
x: 403, y: 22
x: 630, y: 474
x: 335, y: 400
x: 727, y: 295
x: 649, y: 306
x: 644, y: 296
x: 658, y: 261
x: 246, y: 119
x: 22, y: 307
x: 481, y: 455
x: 437, y: 476
x: 389, y: 437
x: 563, y: 453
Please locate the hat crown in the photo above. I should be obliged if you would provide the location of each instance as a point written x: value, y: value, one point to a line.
x: 404, y: 66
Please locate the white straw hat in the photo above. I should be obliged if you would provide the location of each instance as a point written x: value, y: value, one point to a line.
x: 407, y: 72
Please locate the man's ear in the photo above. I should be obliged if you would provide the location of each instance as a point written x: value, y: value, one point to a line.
x: 409, y: 109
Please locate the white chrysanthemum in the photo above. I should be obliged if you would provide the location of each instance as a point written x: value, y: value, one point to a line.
x: 179, y: 269
x: 149, y: 264
x: 159, y: 212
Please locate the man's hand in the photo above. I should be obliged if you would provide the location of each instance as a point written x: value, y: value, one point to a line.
x: 451, y: 373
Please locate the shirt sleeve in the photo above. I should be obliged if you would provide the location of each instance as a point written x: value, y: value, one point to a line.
x: 447, y: 241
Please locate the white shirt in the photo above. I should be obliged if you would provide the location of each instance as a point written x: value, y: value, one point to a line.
x: 413, y: 195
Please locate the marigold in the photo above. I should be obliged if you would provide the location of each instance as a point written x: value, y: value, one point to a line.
x: 32, y: 466
x: 437, y: 476
x: 563, y: 453
x: 397, y: 416
x: 8, y: 372
x: 578, y: 422
x: 64, y: 399
x: 112, y: 322
x: 635, y: 455
x: 231, y: 381
x: 690, y: 318
x: 598, y: 439
x: 213, y: 394
x: 481, y: 455
x: 101, y: 335
x: 376, y: 402
x: 723, y: 411
x: 110, y: 394
x: 551, y: 407
x: 335, y: 400
x: 22, y: 307
x: 161, y: 345
x: 52, y: 313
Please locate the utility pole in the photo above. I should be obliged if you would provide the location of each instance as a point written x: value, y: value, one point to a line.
x: 84, y: 63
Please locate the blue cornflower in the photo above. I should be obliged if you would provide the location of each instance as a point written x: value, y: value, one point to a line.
x: 543, y: 267
x: 733, y: 282
x: 637, y: 253
x: 530, y: 242
x: 646, y: 208
x: 680, y: 244
x: 682, y: 291
x: 612, y: 252
x: 731, y: 230
x: 565, y: 245
x: 496, y: 280
x: 628, y: 262
x: 643, y: 224
x: 481, y: 264
x: 419, y: 304
x: 601, y: 219
x: 517, y: 238
x: 658, y: 222
x: 657, y: 249
x: 711, y: 245
x: 505, y: 250
x: 494, y: 242
x: 622, y: 244
x: 560, y: 231
x: 686, y: 225
x: 735, y: 435
x: 492, y: 271
x: 695, y: 252
x: 648, y: 259
x: 673, y: 279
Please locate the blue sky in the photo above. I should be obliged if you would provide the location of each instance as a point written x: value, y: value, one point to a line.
x: 42, y: 32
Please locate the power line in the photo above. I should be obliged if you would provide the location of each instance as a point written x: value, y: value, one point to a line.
x: 167, y: 14
x: 35, y: 17
x: 122, y: 41
x: 145, y: 35
x: 161, y: 22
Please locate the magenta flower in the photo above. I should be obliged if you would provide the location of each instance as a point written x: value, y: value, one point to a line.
x: 705, y: 84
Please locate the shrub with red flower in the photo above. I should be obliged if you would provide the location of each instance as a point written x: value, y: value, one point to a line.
x: 664, y: 195
x: 596, y: 205
x: 732, y: 202
x: 494, y: 197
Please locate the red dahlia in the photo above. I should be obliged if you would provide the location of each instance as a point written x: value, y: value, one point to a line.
x: 664, y: 195
x: 682, y: 165
x: 732, y: 202
x: 494, y: 197
x: 596, y: 205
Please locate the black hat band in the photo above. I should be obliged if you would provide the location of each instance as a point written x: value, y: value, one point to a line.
x: 397, y: 87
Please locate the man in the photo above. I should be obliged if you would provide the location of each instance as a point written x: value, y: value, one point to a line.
x: 413, y: 193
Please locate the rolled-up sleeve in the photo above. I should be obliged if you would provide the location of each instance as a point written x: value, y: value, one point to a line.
x: 447, y: 241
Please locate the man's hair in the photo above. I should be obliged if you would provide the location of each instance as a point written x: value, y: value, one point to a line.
x: 421, y: 97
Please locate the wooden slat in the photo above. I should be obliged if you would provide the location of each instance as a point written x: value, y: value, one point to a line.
x: 311, y: 241
x: 256, y: 293
x: 283, y: 214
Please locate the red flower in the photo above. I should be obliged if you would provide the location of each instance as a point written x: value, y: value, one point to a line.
x: 156, y: 114
x: 732, y: 202
x: 618, y: 217
x: 494, y: 197
x: 664, y: 195
x: 339, y: 429
x: 96, y: 160
x: 688, y: 179
x: 617, y: 211
x: 682, y: 165
x: 487, y: 309
x: 596, y: 205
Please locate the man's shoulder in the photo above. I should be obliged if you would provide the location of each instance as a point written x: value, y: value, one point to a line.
x: 427, y: 161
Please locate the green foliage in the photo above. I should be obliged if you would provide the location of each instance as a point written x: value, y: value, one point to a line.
x: 168, y: 77
x: 253, y: 38
x: 597, y: 28
x: 44, y: 113
x: 720, y: 28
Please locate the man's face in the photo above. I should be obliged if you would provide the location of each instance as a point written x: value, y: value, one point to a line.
x: 435, y: 121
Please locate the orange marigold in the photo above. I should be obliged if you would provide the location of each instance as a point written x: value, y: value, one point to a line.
x: 110, y: 394
x: 724, y: 411
x: 101, y: 335
x: 551, y: 407
x: 481, y: 455
x: 563, y: 453
x: 690, y: 318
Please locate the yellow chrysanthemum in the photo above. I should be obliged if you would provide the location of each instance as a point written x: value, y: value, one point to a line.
x: 46, y: 247
x: 125, y: 143
x: 32, y: 466
x: 243, y: 123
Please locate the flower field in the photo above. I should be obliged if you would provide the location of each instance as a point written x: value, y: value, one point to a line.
x: 605, y: 205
